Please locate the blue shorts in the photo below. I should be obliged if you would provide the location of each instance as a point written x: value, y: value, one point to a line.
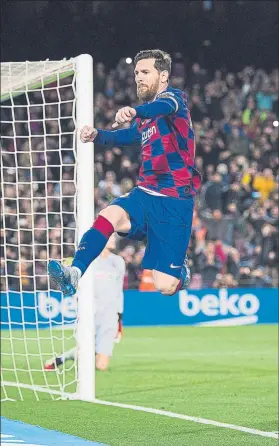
x: 165, y: 222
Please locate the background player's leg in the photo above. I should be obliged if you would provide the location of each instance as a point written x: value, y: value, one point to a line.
x: 55, y: 362
x: 106, y: 327
x: 102, y: 362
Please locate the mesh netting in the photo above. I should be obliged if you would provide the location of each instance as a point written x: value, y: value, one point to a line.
x: 38, y: 221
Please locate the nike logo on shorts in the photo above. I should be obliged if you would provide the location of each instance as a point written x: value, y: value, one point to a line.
x: 173, y: 266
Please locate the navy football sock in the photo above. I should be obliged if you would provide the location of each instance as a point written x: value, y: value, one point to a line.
x: 92, y: 243
x: 183, y: 277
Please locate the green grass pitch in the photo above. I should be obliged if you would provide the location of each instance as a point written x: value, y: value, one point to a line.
x: 226, y: 374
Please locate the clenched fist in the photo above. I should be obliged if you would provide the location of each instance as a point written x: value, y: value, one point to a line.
x: 125, y: 114
x: 88, y: 134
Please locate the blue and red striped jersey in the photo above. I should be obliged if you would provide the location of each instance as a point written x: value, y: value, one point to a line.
x: 168, y: 150
x: 164, y: 130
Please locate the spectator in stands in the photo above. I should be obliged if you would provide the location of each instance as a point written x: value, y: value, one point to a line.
x: 212, y: 193
x: 198, y: 110
x: 237, y: 143
x: 264, y: 183
x: 108, y: 187
x: 225, y: 281
x: 265, y: 98
x: 269, y: 245
x: 219, y: 226
x: 209, y: 268
x: 197, y: 76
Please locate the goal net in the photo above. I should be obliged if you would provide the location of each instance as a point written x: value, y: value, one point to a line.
x: 46, y: 205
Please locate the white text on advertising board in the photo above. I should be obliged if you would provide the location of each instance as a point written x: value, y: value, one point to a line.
x: 222, y: 304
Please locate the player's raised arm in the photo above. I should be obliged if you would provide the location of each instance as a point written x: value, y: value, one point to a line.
x: 110, y: 138
x: 165, y: 104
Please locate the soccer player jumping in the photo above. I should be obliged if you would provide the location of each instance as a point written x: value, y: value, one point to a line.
x: 160, y: 208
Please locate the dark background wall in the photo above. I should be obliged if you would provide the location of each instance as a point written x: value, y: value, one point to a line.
x: 232, y: 33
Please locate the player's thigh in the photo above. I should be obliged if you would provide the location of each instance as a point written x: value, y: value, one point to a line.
x: 171, y: 244
x: 118, y: 217
x: 169, y: 232
x: 132, y: 204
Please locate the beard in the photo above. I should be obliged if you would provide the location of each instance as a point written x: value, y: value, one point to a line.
x: 147, y: 94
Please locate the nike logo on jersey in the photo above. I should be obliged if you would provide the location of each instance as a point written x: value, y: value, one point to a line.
x: 174, y: 266
x: 145, y: 121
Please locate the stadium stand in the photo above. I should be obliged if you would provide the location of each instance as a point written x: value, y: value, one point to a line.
x: 235, y: 230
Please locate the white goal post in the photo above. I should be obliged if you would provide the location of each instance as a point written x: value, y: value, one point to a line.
x: 47, y: 203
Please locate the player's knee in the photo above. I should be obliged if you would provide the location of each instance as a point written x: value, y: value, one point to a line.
x: 111, y: 215
x: 101, y: 367
x: 102, y: 362
x: 165, y: 283
x: 117, y: 216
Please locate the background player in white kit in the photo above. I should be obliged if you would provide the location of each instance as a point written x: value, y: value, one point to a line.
x: 109, y: 271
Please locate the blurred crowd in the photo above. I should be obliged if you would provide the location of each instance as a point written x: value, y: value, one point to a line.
x: 235, y: 227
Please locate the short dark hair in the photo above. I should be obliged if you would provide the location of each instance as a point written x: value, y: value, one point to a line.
x: 162, y: 59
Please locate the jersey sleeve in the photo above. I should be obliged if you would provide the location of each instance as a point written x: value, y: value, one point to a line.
x: 167, y: 103
x: 122, y: 137
x: 154, y: 109
x: 179, y: 99
x: 176, y: 98
x: 170, y: 98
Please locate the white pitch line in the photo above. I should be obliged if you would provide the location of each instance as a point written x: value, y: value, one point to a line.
x: 165, y: 413
x: 72, y: 396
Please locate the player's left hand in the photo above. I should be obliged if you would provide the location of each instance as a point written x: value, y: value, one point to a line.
x: 124, y: 114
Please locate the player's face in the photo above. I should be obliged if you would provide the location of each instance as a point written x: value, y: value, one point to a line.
x: 147, y: 79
